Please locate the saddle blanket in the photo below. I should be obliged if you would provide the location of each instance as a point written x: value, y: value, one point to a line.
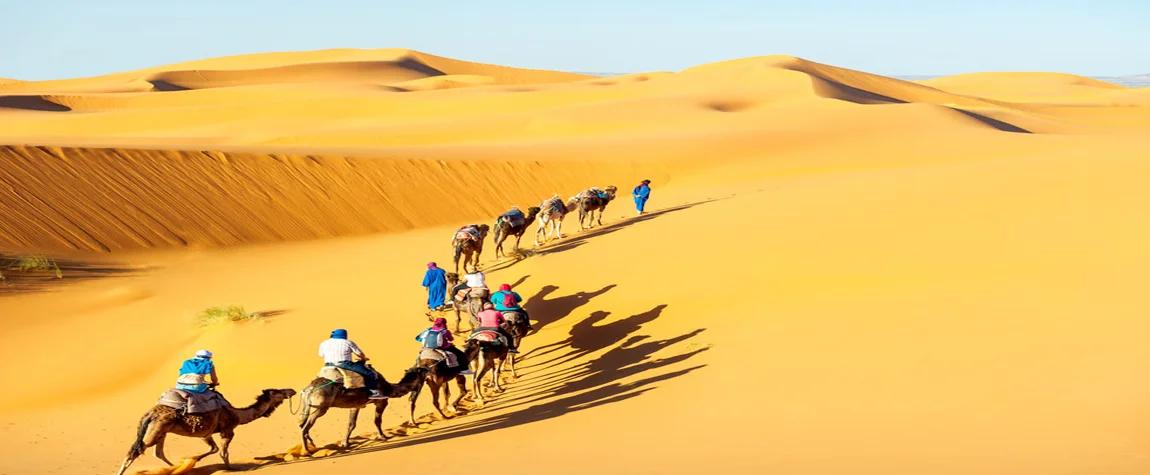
x: 514, y: 217
x: 439, y: 355
x: 467, y: 233
x: 487, y: 336
x: 462, y: 294
x: 349, y: 379
x: 191, y: 402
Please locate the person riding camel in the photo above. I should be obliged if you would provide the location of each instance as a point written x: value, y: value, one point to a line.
x: 475, y: 279
x: 194, y: 373
x: 338, y: 350
x: 491, y: 319
x: 437, y: 337
x: 506, y: 300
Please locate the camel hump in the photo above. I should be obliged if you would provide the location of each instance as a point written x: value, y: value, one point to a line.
x: 190, y: 402
x: 349, y: 379
x: 486, y: 336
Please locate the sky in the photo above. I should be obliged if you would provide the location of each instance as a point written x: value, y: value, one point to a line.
x: 55, y: 39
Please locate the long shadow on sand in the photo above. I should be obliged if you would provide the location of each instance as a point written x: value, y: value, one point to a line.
x: 555, y: 393
x: 571, y: 241
x: 71, y: 272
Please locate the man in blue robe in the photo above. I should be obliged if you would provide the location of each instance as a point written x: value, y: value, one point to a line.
x: 641, y: 193
x: 435, y: 281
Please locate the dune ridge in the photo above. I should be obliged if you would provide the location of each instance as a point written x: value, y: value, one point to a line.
x: 116, y: 199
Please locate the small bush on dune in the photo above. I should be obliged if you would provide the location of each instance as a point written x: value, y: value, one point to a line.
x: 232, y: 313
x: 33, y: 264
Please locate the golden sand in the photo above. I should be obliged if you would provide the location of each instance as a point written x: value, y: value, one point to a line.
x: 841, y: 273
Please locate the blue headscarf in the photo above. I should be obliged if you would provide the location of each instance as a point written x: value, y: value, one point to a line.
x: 339, y: 334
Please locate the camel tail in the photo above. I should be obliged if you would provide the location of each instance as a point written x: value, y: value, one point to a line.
x: 138, y: 446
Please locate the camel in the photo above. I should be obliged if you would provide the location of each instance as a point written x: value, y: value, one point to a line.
x: 589, y: 202
x: 515, y: 324
x: 488, y: 356
x: 475, y: 300
x: 162, y: 420
x: 440, y: 376
x: 504, y: 229
x: 467, y: 247
x: 323, y: 394
x: 551, y: 216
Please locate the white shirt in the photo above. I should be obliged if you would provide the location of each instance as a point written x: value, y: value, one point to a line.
x: 475, y: 280
x: 335, y: 350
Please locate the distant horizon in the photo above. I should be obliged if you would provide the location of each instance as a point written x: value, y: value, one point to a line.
x: 73, y: 39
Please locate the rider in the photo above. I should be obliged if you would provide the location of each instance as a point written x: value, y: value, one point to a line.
x: 338, y: 350
x: 475, y: 279
x: 507, y: 301
x: 194, y: 372
x: 491, y: 319
x: 438, y: 333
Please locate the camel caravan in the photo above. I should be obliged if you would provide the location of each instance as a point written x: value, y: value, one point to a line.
x: 498, y: 324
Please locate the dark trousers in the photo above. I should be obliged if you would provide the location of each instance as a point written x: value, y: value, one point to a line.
x: 361, y: 368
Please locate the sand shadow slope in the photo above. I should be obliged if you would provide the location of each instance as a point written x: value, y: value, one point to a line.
x: 995, y: 123
x: 31, y: 103
x: 14, y: 281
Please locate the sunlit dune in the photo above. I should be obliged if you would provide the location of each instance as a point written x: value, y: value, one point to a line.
x: 839, y: 272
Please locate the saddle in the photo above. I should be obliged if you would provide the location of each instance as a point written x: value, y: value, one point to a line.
x: 349, y: 379
x: 554, y: 205
x: 189, y: 402
x: 439, y: 355
x: 515, y: 218
x: 468, y: 233
x: 488, y: 336
x: 464, y: 293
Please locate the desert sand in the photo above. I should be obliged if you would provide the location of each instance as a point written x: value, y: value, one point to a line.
x: 839, y: 273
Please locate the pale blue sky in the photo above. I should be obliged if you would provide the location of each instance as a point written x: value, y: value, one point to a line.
x: 48, y: 39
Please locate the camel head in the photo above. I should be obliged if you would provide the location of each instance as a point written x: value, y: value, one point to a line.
x: 532, y: 212
x: 275, y: 397
x: 452, y: 279
x: 611, y: 190
x: 483, y: 229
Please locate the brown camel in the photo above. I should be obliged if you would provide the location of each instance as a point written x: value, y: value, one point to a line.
x: 515, y: 323
x: 504, y: 229
x: 440, y: 376
x: 162, y: 420
x: 487, y: 356
x: 468, y: 247
x: 323, y: 394
x: 475, y: 300
x: 589, y: 202
x: 551, y: 216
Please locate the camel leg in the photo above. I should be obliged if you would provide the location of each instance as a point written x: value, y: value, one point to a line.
x: 379, y: 407
x: 435, y: 401
x: 213, y: 447
x: 350, y: 427
x: 496, y: 375
x: 225, y: 441
x: 559, y: 230
x: 414, y: 397
x: 447, y: 397
x: 478, y: 380
x: 518, y: 238
x: 458, y: 317
x: 461, y: 382
x: 306, y: 429
x: 149, y: 435
x: 160, y: 449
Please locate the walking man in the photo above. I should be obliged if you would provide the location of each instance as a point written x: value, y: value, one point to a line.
x: 641, y: 193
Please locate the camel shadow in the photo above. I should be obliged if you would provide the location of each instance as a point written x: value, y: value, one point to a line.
x: 568, y: 243
x: 608, y: 378
x: 544, y: 311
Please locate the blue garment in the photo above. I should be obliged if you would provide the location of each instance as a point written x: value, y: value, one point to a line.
x: 497, y: 299
x: 202, y: 366
x: 436, y: 282
x: 361, y: 368
x: 641, y: 194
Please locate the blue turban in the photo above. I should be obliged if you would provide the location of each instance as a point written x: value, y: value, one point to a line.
x: 340, y: 334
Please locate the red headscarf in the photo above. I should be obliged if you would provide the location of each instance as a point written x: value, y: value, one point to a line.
x: 430, y: 265
x: 505, y: 287
x: 440, y: 324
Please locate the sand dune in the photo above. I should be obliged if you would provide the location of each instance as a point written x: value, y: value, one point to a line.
x: 842, y: 272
